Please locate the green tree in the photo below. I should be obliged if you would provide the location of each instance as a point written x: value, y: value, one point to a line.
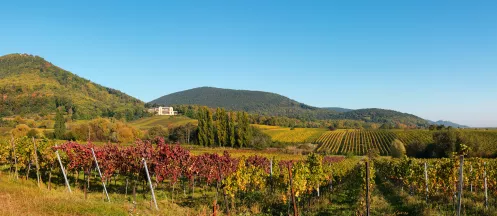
x: 201, y: 134
x: 211, y: 137
x: 60, y: 125
x: 157, y: 131
x: 416, y: 148
x: 445, y: 143
x: 247, y: 132
x: 239, y: 130
x: 397, y: 149
x: 231, y: 129
x: 221, y: 127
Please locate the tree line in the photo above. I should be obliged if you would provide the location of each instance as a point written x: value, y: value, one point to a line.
x: 231, y: 129
x: 193, y: 111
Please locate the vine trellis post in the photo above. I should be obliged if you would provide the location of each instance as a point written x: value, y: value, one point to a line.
x: 367, y: 189
x: 459, y: 198
x: 150, y: 183
x: 426, y: 181
x: 63, y: 171
x: 485, y: 183
x: 36, y: 161
x: 100, y: 173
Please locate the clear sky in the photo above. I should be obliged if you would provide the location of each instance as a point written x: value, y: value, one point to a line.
x: 434, y: 59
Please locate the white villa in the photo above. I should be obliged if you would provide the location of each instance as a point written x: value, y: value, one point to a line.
x: 163, y: 111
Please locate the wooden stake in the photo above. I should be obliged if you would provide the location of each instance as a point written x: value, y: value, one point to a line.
x: 36, y: 162
x: 459, y: 199
x: 426, y: 181
x: 367, y: 189
x: 271, y: 174
x: 295, y: 209
x: 126, y: 190
x: 471, y: 174
x: 15, y: 156
x: 485, y: 183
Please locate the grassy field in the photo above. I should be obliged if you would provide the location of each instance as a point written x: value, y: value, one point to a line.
x: 21, y: 197
x: 296, y: 135
x: 164, y: 121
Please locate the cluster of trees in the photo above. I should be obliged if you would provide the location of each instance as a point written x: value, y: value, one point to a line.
x: 228, y: 129
x: 438, y: 127
x: 103, y: 129
x: 186, y: 133
x: 193, y: 111
x: 447, y: 141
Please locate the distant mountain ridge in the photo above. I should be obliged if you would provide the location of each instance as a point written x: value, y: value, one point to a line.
x: 31, y: 85
x: 447, y: 123
x: 272, y: 104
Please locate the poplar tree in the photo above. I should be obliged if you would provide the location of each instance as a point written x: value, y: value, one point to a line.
x: 247, y: 132
x: 202, y: 134
x: 209, y: 127
x: 231, y: 128
x: 60, y: 125
x: 221, y: 127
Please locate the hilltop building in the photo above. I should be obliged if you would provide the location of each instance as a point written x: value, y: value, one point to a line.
x: 163, y: 111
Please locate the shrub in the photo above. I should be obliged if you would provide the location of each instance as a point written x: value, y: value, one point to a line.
x: 34, y: 133
x: 157, y: 131
x: 416, y: 148
x: 20, y: 130
x: 397, y: 149
x: 49, y: 134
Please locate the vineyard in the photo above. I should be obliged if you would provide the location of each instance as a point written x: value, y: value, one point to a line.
x: 359, y: 142
x: 295, y: 135
x: 313, y: 185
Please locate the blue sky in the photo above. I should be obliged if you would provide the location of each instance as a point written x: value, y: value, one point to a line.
x: 434, y: 59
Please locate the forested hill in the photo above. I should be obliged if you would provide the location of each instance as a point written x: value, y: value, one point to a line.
x: 264, y: 103
x: 338, y: 109
x: 31, y: 85
x: 271, y: 104
x: 383, y: 116
x: 447, y: 123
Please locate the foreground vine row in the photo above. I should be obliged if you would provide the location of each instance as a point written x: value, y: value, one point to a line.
x: 233, y: 182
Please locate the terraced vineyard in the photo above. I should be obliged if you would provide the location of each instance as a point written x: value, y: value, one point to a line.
x: 359, y: 142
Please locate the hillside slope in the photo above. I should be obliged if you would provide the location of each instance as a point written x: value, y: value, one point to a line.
x: 447, y: 123
x: 383, y: 116
x: 272, y: 104
x: 264, y: 103
x: 31, y: 85
x: 338, y: 109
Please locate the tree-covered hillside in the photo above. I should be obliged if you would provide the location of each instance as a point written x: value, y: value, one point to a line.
x: 31, y: 85
x: 447, y: 123
x: 270, y: 104
x: 256, y: 102
x: 383, y: 116
x: 338, y: 109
